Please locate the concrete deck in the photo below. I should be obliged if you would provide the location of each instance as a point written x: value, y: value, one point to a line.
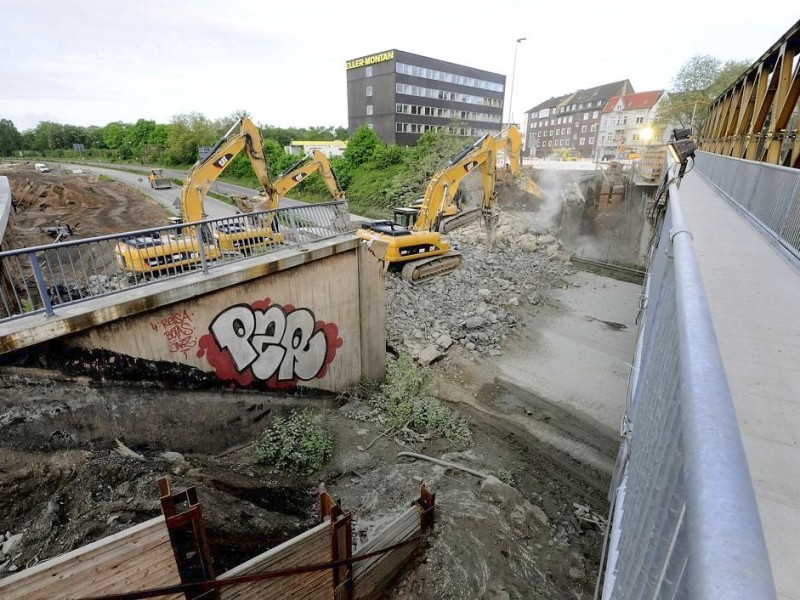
x: 754, y: 297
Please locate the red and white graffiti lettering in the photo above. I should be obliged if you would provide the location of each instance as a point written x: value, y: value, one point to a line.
x: 276, y: 344
x: 178, y: 330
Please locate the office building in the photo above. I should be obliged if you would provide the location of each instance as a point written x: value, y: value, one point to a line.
x: 402, y: 95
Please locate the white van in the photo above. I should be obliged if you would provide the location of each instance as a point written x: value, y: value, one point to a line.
x: 41, y: 167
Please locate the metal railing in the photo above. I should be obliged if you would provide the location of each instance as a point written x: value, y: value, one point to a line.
x: 38, y: 279
x: 685, y: 522
x: 768, y: 194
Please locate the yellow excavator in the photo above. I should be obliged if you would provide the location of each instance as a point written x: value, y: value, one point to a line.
x: 508, y: 147
x: 418, y: 250
x: 509, y: 141
x: 153, y: 254
x: 313, y: 162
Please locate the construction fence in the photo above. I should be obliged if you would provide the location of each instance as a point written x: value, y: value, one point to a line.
x: 169, y: 558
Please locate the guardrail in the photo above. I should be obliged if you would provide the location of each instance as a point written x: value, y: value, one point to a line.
x: 685, y: 522
x: 38, y: 279
x: 768, y: 194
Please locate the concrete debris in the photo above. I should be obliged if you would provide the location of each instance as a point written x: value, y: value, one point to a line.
x: 11, y: 542
x: 477, y: 305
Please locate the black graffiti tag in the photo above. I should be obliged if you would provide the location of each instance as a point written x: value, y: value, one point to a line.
x: 271, y: 342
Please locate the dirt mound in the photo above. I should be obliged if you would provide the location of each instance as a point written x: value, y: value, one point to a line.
x: 89, y: 204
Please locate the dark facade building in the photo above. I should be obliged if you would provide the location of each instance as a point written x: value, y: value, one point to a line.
x: 570, y: 121
x: 402, y: 95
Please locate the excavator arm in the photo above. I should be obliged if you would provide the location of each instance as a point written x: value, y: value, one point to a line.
x: 313, y: 162
x: 442, y: 188
x: 206, y: 171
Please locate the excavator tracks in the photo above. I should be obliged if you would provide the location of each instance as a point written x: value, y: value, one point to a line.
x: 419, y: 270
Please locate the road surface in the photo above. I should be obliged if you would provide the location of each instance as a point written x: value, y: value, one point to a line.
x: 170, y: 198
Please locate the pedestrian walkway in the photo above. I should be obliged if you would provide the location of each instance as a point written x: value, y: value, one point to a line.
x: 754, y: 297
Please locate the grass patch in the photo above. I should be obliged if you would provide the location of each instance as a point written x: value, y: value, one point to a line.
x: 102, y: 177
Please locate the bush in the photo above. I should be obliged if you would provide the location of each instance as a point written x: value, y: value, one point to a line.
x: 296, y: 444
x: 408, y: 399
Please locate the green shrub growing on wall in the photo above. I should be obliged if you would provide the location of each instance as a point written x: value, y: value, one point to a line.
x: 295, y: 444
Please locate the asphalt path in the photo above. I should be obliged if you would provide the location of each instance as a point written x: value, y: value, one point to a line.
x: 170, y: 198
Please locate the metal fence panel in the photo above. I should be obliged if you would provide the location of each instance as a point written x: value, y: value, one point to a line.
x: 768, y: 194
x: 35, y: 280
x: 685, y: 520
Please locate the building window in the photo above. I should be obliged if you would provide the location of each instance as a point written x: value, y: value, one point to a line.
x: 635, y: 137
x: 595, y: 113
x: 371, y: 125
x: 594, y: 127
x: 369, y: 91
x: 591, y: 141
x: 582, y: 140
x: 583, y: 129
x: 639, y: 120
x: 368, y: 71
x: 585, y: 116
x: 369, y: 109
x: 550, y: 142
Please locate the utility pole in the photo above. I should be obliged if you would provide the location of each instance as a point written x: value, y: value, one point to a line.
x: 513, y: 73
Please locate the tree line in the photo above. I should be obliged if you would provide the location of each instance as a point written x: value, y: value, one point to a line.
x: 376, y: 176
x: 171, y: 144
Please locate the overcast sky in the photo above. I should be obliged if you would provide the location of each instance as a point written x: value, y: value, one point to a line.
x: 91, y: 62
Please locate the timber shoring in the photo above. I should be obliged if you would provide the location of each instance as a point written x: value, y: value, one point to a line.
x: 319, y: 563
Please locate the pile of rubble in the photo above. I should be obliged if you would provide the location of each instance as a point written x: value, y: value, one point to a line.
x: 476, y: 305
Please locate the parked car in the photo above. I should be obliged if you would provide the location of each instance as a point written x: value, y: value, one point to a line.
x: 41, y: 167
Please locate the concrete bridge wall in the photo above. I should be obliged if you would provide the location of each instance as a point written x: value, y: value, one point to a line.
x: 5, y: 206
x: 312, y: 317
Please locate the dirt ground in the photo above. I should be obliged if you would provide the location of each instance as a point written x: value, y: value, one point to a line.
x: 87, y: 204
x: 63, y: 483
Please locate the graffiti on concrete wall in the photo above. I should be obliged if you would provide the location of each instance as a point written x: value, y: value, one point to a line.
x: 279, y: 345
x: 178, y: 330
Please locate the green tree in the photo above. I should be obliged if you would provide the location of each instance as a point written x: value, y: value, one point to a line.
x: 10, y: 138
x: 186, y: 133
x: 698, y: 82
x: 361, y: 147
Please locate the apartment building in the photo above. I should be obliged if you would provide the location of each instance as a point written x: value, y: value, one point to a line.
x: 570, y: 121
x: 627, y: 125
x: 401, y: 95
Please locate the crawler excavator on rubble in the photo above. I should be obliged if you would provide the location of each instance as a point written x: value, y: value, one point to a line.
x: 508, y: 147
x: 418, y: 250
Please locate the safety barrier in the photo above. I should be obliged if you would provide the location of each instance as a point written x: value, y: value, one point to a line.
x: 169, y: 557
x: 768, y: 194
x: 685, y: 521
x: 38, y: 279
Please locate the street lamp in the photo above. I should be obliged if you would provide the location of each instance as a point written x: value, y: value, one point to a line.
x: 513, y: 72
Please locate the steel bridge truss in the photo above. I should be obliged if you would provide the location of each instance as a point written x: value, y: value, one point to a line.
x: 756, y: 118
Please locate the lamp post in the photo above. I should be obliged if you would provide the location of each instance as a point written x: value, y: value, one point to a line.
x: 513, y: 72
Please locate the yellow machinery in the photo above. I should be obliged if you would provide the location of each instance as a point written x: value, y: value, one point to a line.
x: 419, y: 249
x: 313, y: 162
x: 153, y: 254
x: 158, y: 181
